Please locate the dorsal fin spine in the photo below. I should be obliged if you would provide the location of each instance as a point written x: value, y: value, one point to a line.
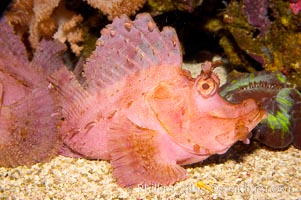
x: 127, y: 46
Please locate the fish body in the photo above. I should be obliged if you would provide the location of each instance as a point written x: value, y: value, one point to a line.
x: 141, y: 111
x: 29, y: 114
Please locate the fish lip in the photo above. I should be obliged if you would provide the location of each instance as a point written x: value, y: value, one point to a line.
x: 243, y: 128
x: 249, y: 136
x: 255, y: 120
x: 260, y: 115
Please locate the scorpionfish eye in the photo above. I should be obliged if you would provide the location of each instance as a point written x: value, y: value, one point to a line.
x: 206, y: 87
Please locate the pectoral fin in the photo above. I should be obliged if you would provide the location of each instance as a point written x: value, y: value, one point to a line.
x: 136, y: 158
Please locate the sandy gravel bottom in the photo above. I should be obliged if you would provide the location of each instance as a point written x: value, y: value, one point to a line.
x: 244, y: 172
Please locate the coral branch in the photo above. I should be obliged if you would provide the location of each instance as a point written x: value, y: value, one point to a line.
x: 117, y: 7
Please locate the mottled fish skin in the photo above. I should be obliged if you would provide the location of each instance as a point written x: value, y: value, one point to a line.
x: 29, y: 114
x: 142, y: 112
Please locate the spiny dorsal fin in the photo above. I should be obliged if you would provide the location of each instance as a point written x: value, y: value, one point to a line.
x: 73, y: 96
x: 11, y: 45
x: 127, y: 46
x: 48, y: 56
x: 14, y: 60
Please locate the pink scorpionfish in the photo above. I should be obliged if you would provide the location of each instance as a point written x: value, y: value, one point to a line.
x: 140, y: 110
x: 29, y: 115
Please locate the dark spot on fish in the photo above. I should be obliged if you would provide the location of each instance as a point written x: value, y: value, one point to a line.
x: 23, y: 132
x: 151, y: 26
x: 112, y: 33
x: 129, y: 104
x: 128, y: 26
x: 174, y: 40
x: 196, y: 148
x: 205, y: 86
x: 111, y: 115
x: 99, y: 116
